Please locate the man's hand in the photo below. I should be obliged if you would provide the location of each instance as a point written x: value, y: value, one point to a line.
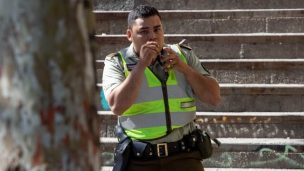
x: 171, y: 60
x: 129, y: 88
x: 148, y: 53
x: 206, y: 88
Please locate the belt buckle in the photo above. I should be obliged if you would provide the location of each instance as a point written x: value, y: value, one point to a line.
x: 162, y: 150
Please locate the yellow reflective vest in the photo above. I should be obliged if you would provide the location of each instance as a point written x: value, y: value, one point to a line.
x: 160, y: 106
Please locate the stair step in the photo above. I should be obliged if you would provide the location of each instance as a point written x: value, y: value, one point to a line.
x: 211, y: 21
x: 234, y: 37
x: 109, y: 168
x: 199, y: 5
x: 259, y: 89
x: 239, y: 141
x: 223, y: 46
x: 232, y: 114
x: 235, y: 124
x: 206, y: 14
x: 249, y: 169
x: 272, y: 64
x: 239, y: 117
x: 247, y: 71
x: 258, y: 98
x: 240, y: 144
x: 241, y: 153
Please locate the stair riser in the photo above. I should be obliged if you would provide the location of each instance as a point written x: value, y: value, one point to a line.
x: 222, y: 159
x: 257, y: 100
x: 209, y: 26
x: 293, y: 149
x: 167, y: 15
x: 245, y: 127
x: 258, y: 77
x: 224, y: 47
x: 239, y: 73
x: 240, y: 130
x: 199, y: 5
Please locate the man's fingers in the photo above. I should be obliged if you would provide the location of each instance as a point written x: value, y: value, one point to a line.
x: 151, y: 47
x: 149, y: 52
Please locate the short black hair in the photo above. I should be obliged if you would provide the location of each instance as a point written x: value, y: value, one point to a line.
x: 141, y: 11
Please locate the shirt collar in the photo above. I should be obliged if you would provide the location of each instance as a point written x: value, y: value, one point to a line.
x: 130, y: 54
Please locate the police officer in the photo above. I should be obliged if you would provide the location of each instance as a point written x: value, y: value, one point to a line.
x: 152, y: 87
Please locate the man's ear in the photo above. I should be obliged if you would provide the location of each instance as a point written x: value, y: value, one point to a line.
x: 129, y: 34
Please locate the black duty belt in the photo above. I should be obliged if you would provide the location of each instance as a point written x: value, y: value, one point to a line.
x: 146, y: 151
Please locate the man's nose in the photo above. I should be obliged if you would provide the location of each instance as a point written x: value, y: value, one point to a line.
x: 152, y: 35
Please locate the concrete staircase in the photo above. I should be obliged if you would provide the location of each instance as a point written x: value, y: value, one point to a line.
x: 255, y: 48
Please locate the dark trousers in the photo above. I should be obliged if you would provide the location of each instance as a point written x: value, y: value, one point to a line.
x: 187, y: 161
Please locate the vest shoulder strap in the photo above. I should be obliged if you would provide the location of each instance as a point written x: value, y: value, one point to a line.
x: 181, y: 44
x: 123, y: 63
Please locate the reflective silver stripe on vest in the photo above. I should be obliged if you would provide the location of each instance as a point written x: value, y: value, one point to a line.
x: 154, y: 93
x: 144, y: 121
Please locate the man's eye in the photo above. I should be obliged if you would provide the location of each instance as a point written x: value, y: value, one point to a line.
x: 157, y: 29
x: 144, y: 32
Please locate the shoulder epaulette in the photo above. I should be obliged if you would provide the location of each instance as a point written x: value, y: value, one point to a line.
x: 184, y: 46
x: 111, y: 55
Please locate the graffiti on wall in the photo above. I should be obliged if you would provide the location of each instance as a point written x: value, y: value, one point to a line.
x: 290, y: 157
x: 281, y: 157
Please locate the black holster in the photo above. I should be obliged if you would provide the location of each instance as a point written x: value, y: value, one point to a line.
x: 122, y: 151
x: 204, y: 143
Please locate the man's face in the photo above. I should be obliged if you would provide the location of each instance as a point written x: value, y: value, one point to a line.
x: 146, y: 29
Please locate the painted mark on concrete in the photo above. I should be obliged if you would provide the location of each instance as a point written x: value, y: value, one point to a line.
x: 280, y: 157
